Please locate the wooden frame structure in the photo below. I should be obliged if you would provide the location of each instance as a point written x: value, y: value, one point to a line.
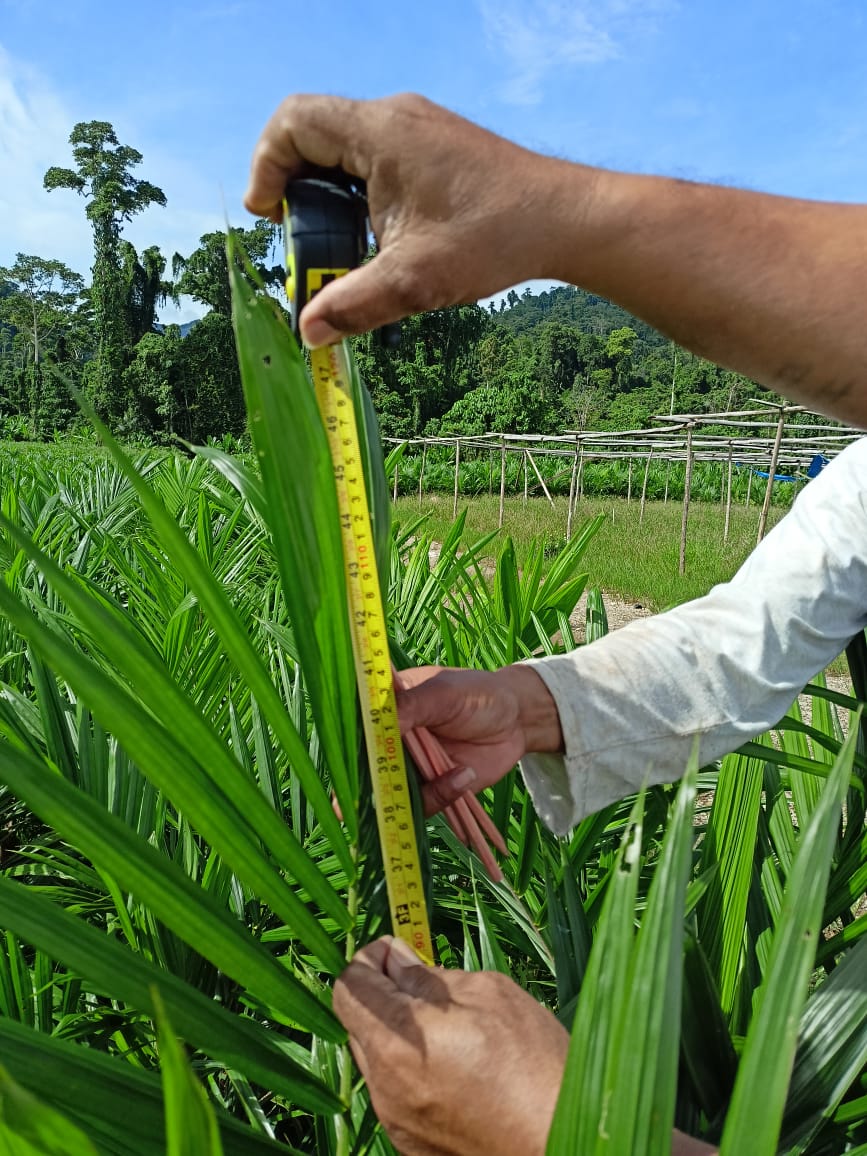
x: 768, y: 439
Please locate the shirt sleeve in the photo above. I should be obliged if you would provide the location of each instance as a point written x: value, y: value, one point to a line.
x: 721, y: 669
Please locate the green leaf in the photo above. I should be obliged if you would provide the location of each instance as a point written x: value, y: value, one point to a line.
x: 118, y: 1105
x: 375, y: 469
x: 205, y: 756
x: 832, y: 1050
x: 641, y: 1080
x: 191, y: 1126
x: 756, y: 1111
x: 298, y: 482
x: 238, y: 475
x: 232, y: 631
x: 29, y: 1126
x: 121, y: 974
x: 493, y: 956
x: 596, y: 625
x: 729, y: 846
x: 708, y: 1053
x: 190, y: 911
x: 579, y: 1119
x: 184, y: 781
x: 620, y: 1083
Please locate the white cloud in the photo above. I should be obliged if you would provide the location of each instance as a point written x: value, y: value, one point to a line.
x: 34, y: 133
x: 539, y: 37
x: 35, y: 123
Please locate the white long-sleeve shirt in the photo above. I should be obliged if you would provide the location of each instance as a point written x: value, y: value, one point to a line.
x: 720, y: 669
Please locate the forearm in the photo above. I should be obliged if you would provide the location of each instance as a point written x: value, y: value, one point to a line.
x: 769, y: 286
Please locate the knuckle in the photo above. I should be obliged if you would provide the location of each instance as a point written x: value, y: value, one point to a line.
x: 414, y: 288
x: 408, y: 102
x: 435, y: 798
x: 442, y: 793
x: 495, y: 984
x: 289, y: 112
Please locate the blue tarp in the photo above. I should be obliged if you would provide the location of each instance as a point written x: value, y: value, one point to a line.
x: 816, y: 466
x: 777, y: 477
x: 813, y: 470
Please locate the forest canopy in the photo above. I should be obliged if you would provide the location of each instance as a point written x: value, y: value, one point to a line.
x: 535, y: 362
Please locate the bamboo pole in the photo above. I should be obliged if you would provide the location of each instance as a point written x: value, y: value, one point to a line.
x: 525, y: 455
x: 502, y: 479
x: 772, y: 469
x: 728, y: 497
x: 572, y: 481
x: 421, y: 471
x: 673, y: 382
x: 686, y: 485
x: 457, y: 470
x: 749, y: 487
x: 580, y: 495
x: 667, y: 476
x: 644, y: 487
x: 532, y: 460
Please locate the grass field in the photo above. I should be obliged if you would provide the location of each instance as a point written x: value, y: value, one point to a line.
x: 638, y: 562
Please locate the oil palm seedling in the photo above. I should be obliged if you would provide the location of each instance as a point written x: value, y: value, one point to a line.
x: 178, y: 719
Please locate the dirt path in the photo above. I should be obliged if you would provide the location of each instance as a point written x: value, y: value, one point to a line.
x: 619, y: 612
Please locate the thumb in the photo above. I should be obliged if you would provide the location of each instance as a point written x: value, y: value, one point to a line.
x: 410, y: 975
x: 384, y: 289
x: 429, y: 704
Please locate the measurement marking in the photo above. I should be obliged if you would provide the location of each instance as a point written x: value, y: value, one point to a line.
x: 370, y: 648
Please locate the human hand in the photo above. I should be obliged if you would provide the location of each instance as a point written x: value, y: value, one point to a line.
x: 457, y: 1063
x: 458, y: 212
x: 486, y: 721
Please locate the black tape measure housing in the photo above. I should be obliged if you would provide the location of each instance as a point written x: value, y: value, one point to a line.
x: 325, y: 236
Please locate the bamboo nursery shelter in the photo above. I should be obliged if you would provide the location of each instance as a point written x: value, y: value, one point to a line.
x: 773, y: 443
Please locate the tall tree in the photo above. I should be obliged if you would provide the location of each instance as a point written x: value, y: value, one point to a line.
x: 434, y: 365
x: 144, y: 288
x: 619, y: 349
x: 188, y: 387
x: 42, y: 310
x: 103, y: 175
x: 204, y: 275
x: 41, y: 295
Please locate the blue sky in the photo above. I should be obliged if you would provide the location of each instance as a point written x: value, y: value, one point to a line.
x: 769, y: 94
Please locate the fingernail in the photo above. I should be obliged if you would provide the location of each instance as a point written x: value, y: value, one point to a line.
x: 464, y: 779
x: 402, y: 954
x: 318, y: 333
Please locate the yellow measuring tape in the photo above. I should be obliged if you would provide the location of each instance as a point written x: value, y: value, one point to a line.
x: 400, y: 855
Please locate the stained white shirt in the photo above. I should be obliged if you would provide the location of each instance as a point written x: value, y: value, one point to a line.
x: 721, y: 669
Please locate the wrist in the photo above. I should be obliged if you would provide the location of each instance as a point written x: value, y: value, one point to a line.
x: 573, y: 236
x: 538, y: 716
